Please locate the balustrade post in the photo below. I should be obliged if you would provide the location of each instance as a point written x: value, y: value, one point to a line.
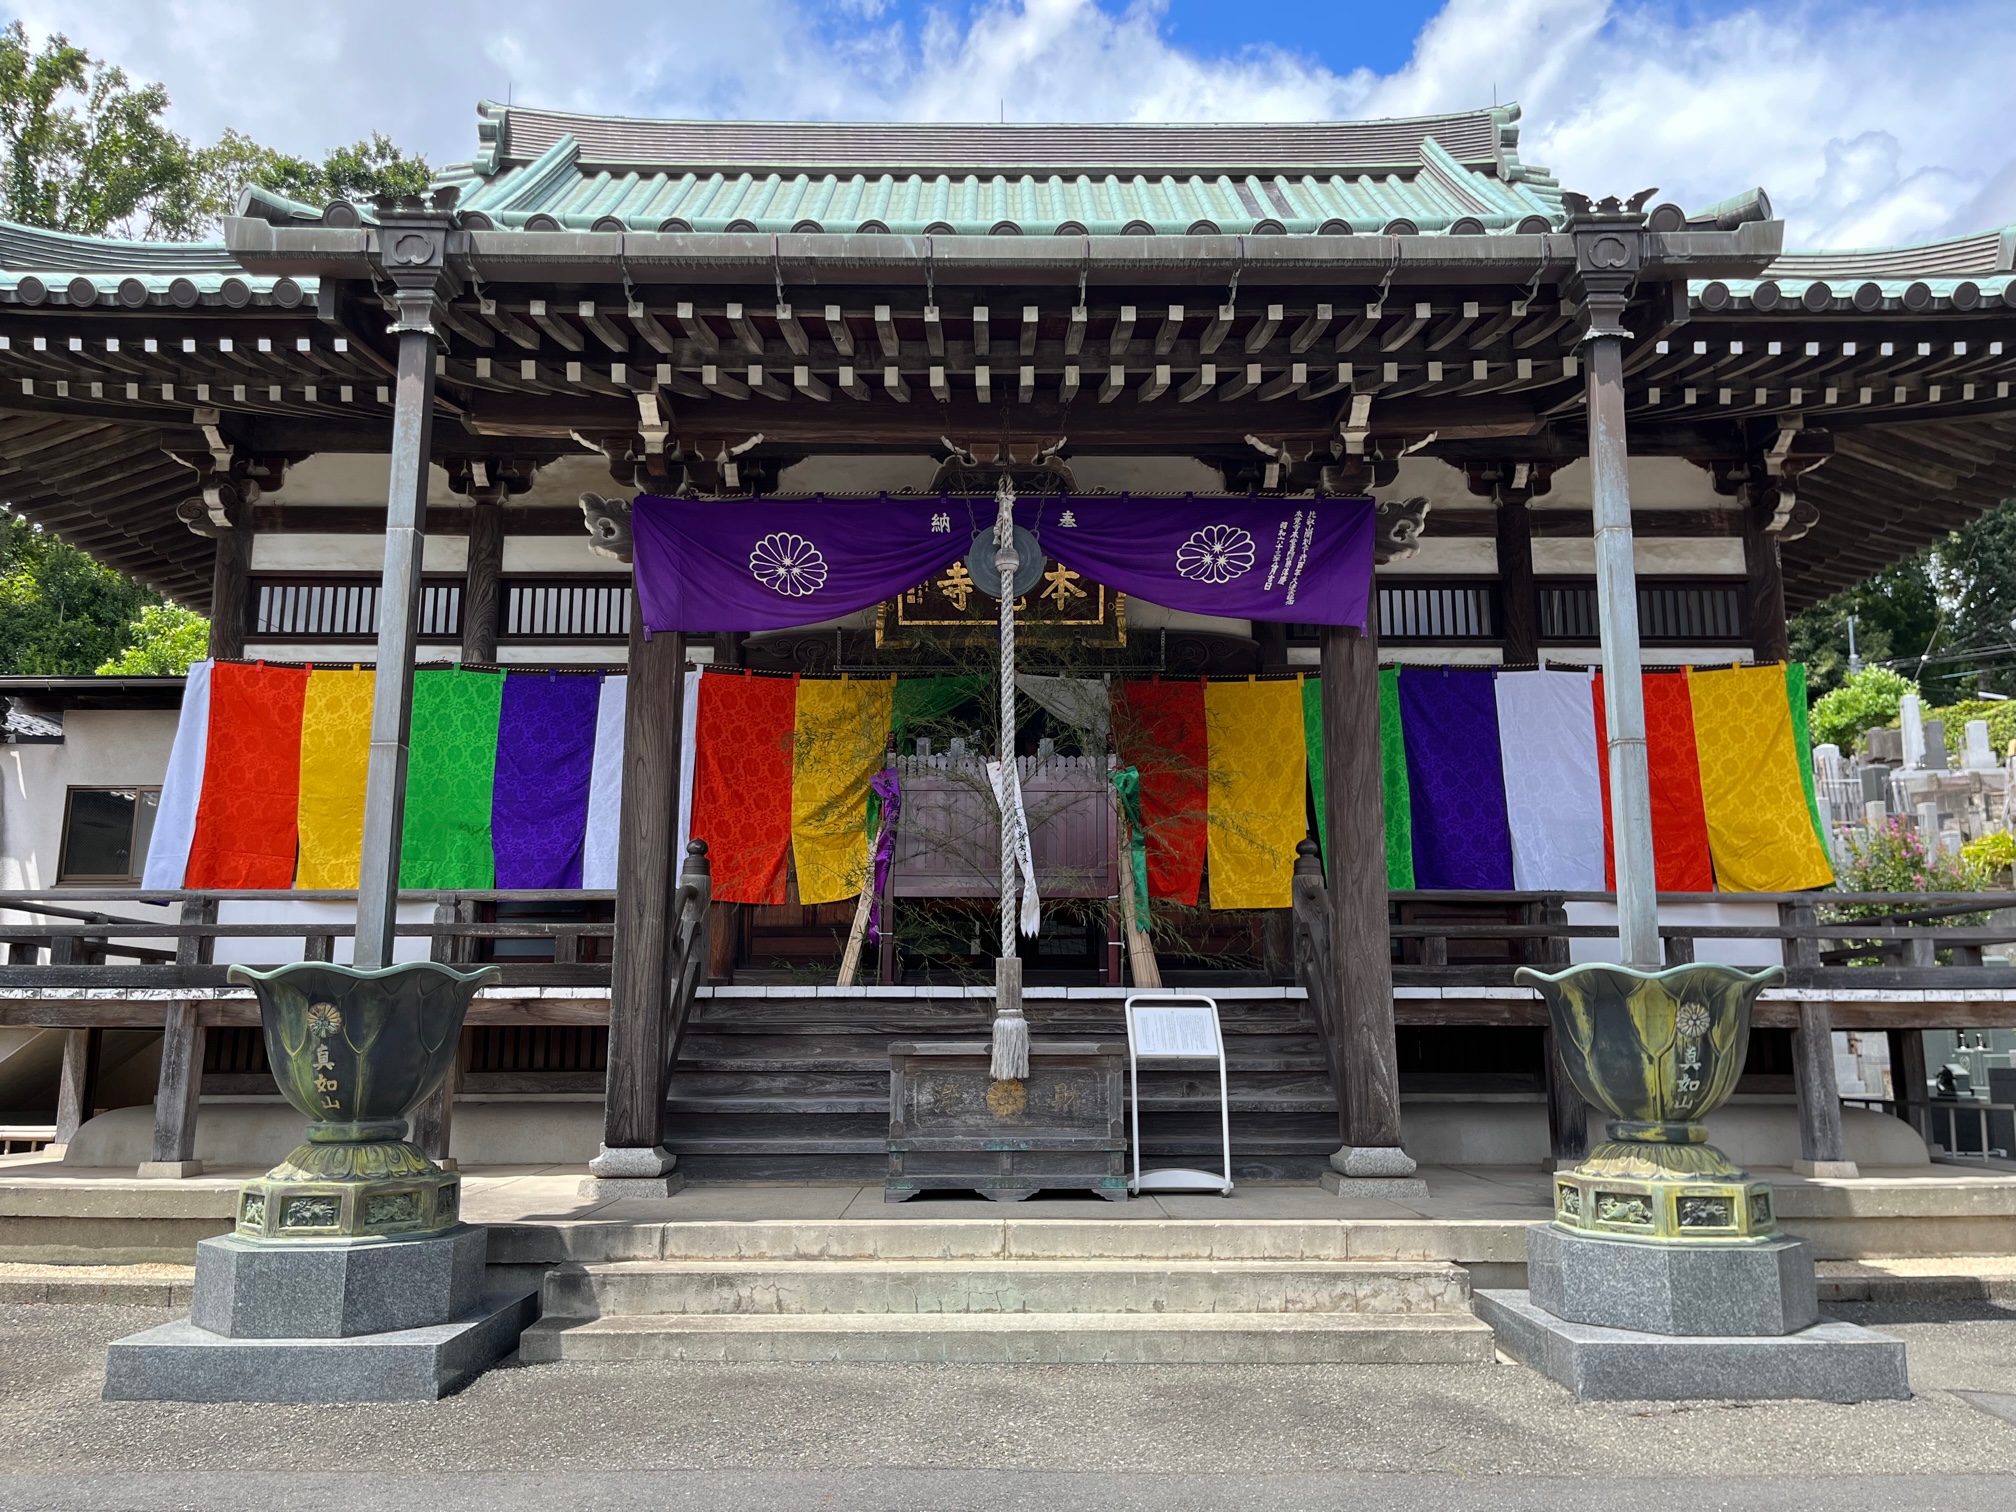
x: 1823, y: 1147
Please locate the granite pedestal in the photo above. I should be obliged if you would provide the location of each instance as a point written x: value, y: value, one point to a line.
x: 1828, y: 1362
x: 365, y: 1320
x: 179, y: 1362
x: 1707, y: 1290
x: 246, y: 1289
x: 1620, y: 1319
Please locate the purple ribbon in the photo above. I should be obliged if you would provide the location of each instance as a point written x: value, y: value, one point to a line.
x: 885, y: 786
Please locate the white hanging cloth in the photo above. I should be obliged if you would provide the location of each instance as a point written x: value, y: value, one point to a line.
x: 1080, y: 702
x: 1008, y: 795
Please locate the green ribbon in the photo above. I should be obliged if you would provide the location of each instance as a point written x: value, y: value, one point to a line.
x: 1127, y: 788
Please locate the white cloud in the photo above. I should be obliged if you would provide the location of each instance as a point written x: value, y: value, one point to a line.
x: 1868, y: 123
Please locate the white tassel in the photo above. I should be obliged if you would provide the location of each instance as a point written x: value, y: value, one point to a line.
x: 1011, y: 1046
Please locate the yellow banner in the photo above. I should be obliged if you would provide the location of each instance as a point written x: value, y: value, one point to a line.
x: 1259, y: 769
x: 843, y: 731
x: 335, y: 750
x: 1760, y: 831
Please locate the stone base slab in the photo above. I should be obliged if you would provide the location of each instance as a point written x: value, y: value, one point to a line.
x: 179, y: 1362
x: 1832, y: 1170
x: 1829, y: 1362
x: 1683, y: 1288
x: 1385, y: 1188
x: 300, y: 1289
x: 169, y: 1170
x: 622, y: 1188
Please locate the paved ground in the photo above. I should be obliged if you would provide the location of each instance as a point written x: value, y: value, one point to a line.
x: 1059, y: 1438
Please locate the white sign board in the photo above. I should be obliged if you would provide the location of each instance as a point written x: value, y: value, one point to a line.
x: 1174, y: 1030
x: 1177, y: 1026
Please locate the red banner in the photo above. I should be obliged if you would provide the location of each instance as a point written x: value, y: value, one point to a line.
x: 742, y: 782
x: 245, y: 820
x: 1679, y: 818
x: 1160, y: 729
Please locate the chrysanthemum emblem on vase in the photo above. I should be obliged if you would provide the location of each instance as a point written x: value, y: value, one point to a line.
x: 1658, y: 1051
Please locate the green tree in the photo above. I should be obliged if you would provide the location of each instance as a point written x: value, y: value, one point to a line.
x: 1975, y: 568
x: 61, y: 614
x: 1867, y: 700
x: 85, y: 149
x: 166, y: 638
x: 1896, y: 615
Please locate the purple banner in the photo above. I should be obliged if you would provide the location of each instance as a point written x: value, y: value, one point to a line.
x: 539, y: 796
x: 711, y: 564
x: 1308, y: 560
x: 1449, y: 721
x: 714, y: 564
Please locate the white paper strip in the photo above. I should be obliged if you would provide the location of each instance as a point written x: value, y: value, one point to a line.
x: 605, y: 787
x: 1553, y: 795
x: 1007, y: 783
x: 181, y: 786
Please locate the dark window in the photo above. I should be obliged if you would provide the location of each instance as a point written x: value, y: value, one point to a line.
x: 105, y: 833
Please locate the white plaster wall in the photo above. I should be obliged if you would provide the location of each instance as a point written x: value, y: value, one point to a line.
x: 1749, y: 954
x: 1651, y: 656
x: 1684, y: 556
x: 1447, y: 556
x: 1656, y: 483
x: 100, y: 748
x: 329, y: 551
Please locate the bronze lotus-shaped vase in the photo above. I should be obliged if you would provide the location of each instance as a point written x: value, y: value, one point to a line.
x: 356, y: 1052
x: 1658, y: 1051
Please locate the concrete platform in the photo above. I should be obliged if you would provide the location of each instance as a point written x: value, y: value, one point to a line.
x: 1829, y: 1362
x: 1476, y: 1216
x: 179, y: 1362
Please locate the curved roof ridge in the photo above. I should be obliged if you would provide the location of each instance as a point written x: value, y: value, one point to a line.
x: 1978, y: 252
x: 36, y: 249
x: 516, y: 133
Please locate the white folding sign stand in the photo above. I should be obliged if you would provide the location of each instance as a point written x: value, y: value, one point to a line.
x: 1176, y: 1026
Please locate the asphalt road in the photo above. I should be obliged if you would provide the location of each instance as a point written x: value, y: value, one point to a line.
x: 919, y: 1438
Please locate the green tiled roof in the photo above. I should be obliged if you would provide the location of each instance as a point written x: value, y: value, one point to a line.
x: 1962, y: 273
x: 53, y: 267
x: 548, y: 170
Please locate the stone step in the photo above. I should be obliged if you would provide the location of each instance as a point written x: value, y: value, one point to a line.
x: 1091, y: 1230
x: 1034, y: 1338
x: 946, y: 1287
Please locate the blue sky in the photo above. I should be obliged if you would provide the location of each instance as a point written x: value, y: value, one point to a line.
x: 1870, y: 122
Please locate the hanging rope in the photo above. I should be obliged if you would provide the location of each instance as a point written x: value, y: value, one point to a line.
x: 1010, y: 1059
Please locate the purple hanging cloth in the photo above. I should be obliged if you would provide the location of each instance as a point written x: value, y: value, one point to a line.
x: 1449, y: 720
x: 889, y: 790
x: 702, y: 564
x: 545, y: 760
x: 1302, y: 560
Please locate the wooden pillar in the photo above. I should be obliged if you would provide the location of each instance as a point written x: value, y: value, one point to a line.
x: 1907, y: 1080
x: 434, y: 1119
x: 1823, y: 1151
x: 1567, y: 1113
x: 633, y: 1128
x: 77, y: 1093
x: 724, y: 920
x: 1270, y: 638
x: 1519, y: 617
x: 483, y: 581
x: 180, y: 1088
x: 230, y: 593
x: 1360, y: 962
x: 1764, y: 581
